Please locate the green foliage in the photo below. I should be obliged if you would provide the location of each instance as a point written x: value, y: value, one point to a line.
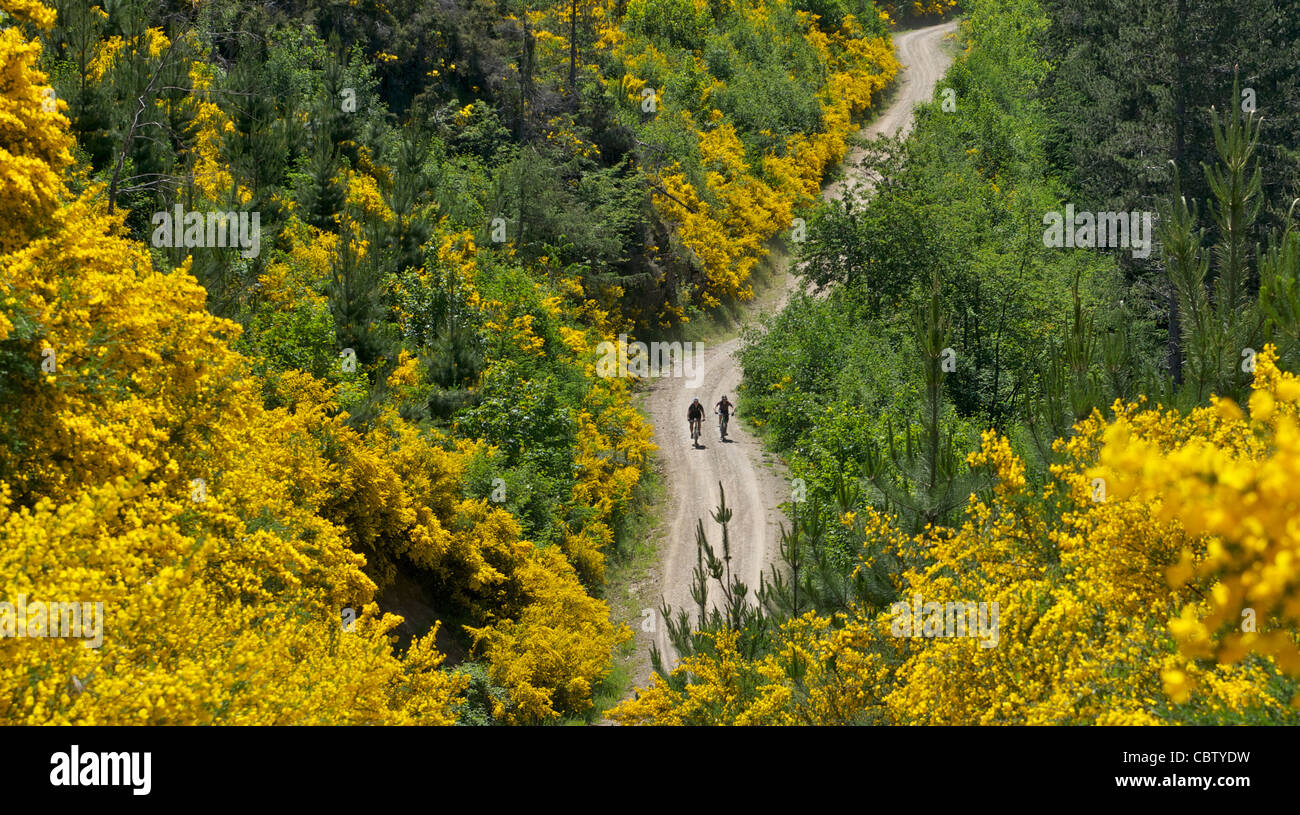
x: 675, y: 22
x: 820, y: 569
x: 482, y: 696
x: 880, y: 248
x: 569, y: 209
x: 815, y: 366
x: 300, y: 338
x: 524, y: 416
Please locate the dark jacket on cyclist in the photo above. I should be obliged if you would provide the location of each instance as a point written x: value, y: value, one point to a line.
x: 695, y: 411
x: 724, y: 407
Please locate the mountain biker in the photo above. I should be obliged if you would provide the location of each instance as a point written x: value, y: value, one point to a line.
x: 694, y: 414
x: 724, y: 409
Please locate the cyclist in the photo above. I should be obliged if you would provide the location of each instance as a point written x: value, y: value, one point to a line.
x: 695, y: 418
x: 723, y: 409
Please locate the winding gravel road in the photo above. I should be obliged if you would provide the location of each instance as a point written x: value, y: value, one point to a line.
x: 755, y: 489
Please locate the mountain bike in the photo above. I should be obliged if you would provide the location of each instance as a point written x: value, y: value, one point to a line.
x: 695, y: 432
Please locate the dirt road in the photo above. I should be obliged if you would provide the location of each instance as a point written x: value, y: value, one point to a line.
x: 754, y: 488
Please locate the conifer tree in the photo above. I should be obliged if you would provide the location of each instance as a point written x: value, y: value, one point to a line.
x: 322, y: 195
x: 1220, y: 324
x: 735, y: 612
x: 923, y: 480
x: 1279, y: 291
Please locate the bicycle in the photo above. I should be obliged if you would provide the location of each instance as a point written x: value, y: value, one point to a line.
x: 722, y: 423
x: 695, y: 431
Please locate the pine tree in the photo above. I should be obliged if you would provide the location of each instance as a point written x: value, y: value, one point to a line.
x: 922, y: 481
x: 1071, y: 385
x: 322, y: 197
x: 1220, y: 325
x: 735, y: 612
x: 258, y: 150
x: 1279, y: 292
